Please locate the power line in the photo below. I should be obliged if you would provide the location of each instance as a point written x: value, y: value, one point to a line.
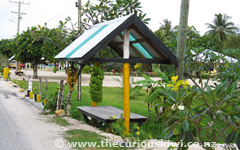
x: 60, y: 13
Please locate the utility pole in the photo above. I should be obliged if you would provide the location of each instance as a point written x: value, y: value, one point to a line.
x: 18, y: 64
x: 79, y: 5
x: 79, y: 13
x: 182, y: 37
x: 19, y: 13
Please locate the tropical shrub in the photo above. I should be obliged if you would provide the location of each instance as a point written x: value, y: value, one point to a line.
x: 86, y: 69
x: 51, y: 103
x: 55, y: 69
x: 1, y: 70
x: 199, y: 63
x: 135, y: 132
x: 229, y: 72
x: 195, y: 115
x: 154, y: 90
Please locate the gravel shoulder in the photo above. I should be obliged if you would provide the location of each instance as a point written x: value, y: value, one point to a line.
x: 34, y: 128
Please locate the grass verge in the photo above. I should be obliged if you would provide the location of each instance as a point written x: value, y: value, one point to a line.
x: 85, y: 139
x: 60, y: 121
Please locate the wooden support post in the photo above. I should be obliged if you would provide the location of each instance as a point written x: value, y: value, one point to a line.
x: 46, y: 87
x: 126, y: 91
x: 29, y: 84
x: 126, y: 88
x: 60, y: 95
x: 18, y: 66
x: 79, y: 85
x: 69, y: 102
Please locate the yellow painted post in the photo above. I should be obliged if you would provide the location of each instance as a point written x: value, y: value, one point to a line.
x: 126, y: 91
x: 126, y: 88
x: 4, y: 72
x: 38, y: 98
x: 44, y: 102
x: 31, y: 95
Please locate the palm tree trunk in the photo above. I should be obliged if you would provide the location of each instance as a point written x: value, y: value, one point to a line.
x: 182, y: 38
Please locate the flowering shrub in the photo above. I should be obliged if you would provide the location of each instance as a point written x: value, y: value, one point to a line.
x: 192, y: 114
x: 138, y: 68
x: 135, y: 132
x: 195, y: 115
x: 179, y: 93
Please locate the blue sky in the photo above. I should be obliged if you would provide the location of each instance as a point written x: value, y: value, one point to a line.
x: 51, y: 11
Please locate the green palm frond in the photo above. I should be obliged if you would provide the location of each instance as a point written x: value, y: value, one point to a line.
x: 221, y: 27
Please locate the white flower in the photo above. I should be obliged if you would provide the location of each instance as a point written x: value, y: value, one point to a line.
x: 173, y: 107
x: 181, y: 107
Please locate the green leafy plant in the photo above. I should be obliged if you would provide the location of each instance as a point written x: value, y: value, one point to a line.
x: 135, y: 132
x: 51, y: 103
x: 200, y: 63
x: 154, y: 89
x: 108, y: 10
x: 229, y: 72
x: 192, y: 114
x: 96, y: 81
x: 86, y: 69
x: 1, y: 70
x: 203, y: 116
x: 55, y: 69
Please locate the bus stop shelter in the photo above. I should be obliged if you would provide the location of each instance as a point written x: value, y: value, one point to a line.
x: 130, y: 38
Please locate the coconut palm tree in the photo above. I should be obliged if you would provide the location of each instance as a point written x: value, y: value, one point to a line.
x: 221, y: 27
x: 165, y: 30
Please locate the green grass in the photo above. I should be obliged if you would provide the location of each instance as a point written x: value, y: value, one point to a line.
x: 60, y: 121
x: 83, y: 136
x: 112, y: 96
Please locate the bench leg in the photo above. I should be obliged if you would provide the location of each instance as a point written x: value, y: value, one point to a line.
x: 86, y: 118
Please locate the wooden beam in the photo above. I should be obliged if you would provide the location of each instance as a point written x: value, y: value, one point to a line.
x: 147, y: 41
x: 133, y: 48
x: 116, y: 48
x: 126, y: 43
x: 131, y: 60
x: 132, y: 42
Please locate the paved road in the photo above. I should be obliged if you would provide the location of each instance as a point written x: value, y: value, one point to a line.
x: 109, y: 81
x: 11, y: 138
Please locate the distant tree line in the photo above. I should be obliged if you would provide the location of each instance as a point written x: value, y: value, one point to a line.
x: 36, y: 43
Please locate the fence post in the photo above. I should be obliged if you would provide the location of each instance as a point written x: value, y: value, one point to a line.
x: 46, y: 88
